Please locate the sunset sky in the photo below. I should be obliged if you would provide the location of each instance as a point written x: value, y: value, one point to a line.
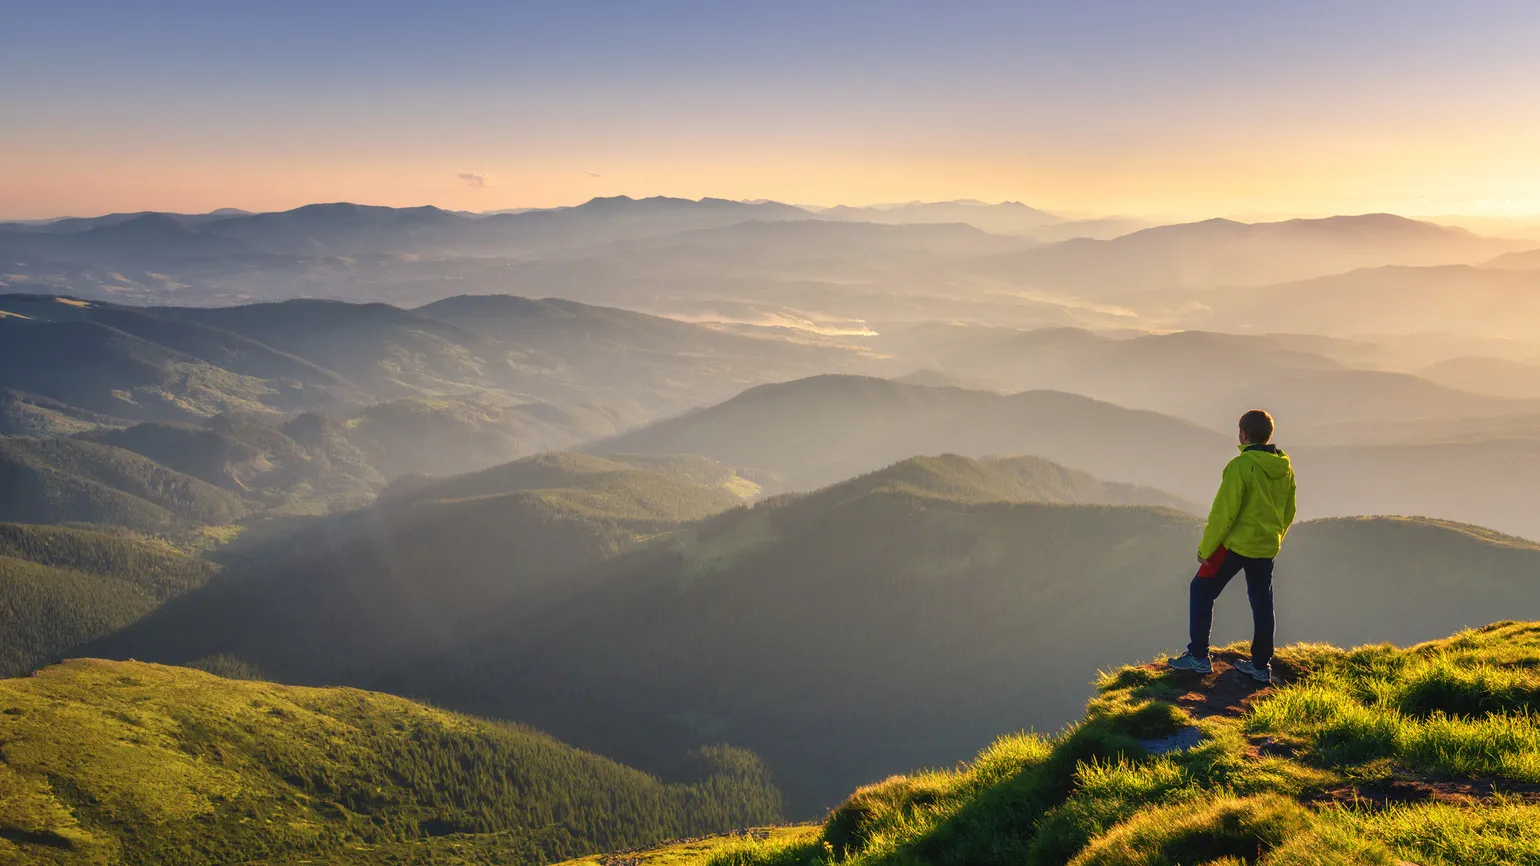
x: 1191, y: 108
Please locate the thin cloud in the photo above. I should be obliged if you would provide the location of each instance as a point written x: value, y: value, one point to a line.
x: 474, y: 180
x: 594, y: 174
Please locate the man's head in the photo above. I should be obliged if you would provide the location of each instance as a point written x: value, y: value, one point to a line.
x: 1256, y: 428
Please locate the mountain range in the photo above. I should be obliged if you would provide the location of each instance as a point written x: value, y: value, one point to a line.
x: 591, y: 598
x: 695, y: 515
x: 1221, y: 252
x: 834, y: 270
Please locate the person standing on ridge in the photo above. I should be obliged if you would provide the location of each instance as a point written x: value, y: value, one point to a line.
x: 1251, y: 515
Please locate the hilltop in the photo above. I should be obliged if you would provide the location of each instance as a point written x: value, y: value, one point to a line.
x: 1376, y: 756
x: 992, y: 479
x: 823, y: 429
x: 123, y: 762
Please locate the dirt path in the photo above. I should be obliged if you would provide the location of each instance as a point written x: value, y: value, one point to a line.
x: 1225, y: 692
x: 1229, y: 693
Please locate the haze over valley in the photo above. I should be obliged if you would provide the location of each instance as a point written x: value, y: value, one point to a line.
x: 651, y: 435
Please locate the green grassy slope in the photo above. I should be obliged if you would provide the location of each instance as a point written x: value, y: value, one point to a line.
x: 61, y: 587
x: 1378, y: 755
x: 68, y: 480
x: 689, y: 851
x: 119, y: 762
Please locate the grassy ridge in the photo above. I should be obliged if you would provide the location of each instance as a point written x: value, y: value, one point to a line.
x: 122, y: 762
x: 996, y: 479
x: 1376, y: 755
x: 649, y: 493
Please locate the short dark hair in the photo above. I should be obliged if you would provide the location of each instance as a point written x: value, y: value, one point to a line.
x: 1258, y: 426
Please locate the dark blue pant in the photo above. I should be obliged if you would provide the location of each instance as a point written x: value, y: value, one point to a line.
x: 1259, y: 588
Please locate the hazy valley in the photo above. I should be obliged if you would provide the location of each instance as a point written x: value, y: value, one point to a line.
x: 737, y: 506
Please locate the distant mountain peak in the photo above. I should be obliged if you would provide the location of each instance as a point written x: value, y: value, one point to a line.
x: 152, y: 225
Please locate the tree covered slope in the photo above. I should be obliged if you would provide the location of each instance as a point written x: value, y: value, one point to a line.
x: 436, y: 561
x: 123, y: 762
x: 62, y: 587
x: 75, y: 481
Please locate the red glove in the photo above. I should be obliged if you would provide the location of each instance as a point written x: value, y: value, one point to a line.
x: 1211, y: 565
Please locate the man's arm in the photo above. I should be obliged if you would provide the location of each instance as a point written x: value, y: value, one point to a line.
x: 1227, y: 507
x: 1289, y: 509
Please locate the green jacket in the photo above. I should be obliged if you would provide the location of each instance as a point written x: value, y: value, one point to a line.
x: 1254, y: 506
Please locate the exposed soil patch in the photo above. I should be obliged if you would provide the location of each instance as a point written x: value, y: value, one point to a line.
x: 1225, y: 692
x: 1262, y: 746
x: 1409, y: 789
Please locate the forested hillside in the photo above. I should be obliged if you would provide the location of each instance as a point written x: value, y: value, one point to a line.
x: 74, y: 481
x: 60, y: 588
x: 120, y: 762
x: 433, y: 563
x: 975, y: 614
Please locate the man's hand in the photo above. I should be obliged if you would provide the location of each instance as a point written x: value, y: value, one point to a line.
x: 1203, y: 559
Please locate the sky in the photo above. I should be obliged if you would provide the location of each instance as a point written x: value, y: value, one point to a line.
x: 1188, y: 108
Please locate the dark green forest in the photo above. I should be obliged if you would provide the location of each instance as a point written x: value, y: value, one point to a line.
x: 68, y: 481
x: 60, y: 588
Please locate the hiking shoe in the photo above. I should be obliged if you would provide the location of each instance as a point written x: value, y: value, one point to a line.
x: 1263, y: 674
x: 1190, y: 662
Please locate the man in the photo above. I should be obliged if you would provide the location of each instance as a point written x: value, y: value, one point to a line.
x: 1251, y: 515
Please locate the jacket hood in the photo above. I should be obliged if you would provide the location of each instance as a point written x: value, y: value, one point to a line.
x: 1270, y: 459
